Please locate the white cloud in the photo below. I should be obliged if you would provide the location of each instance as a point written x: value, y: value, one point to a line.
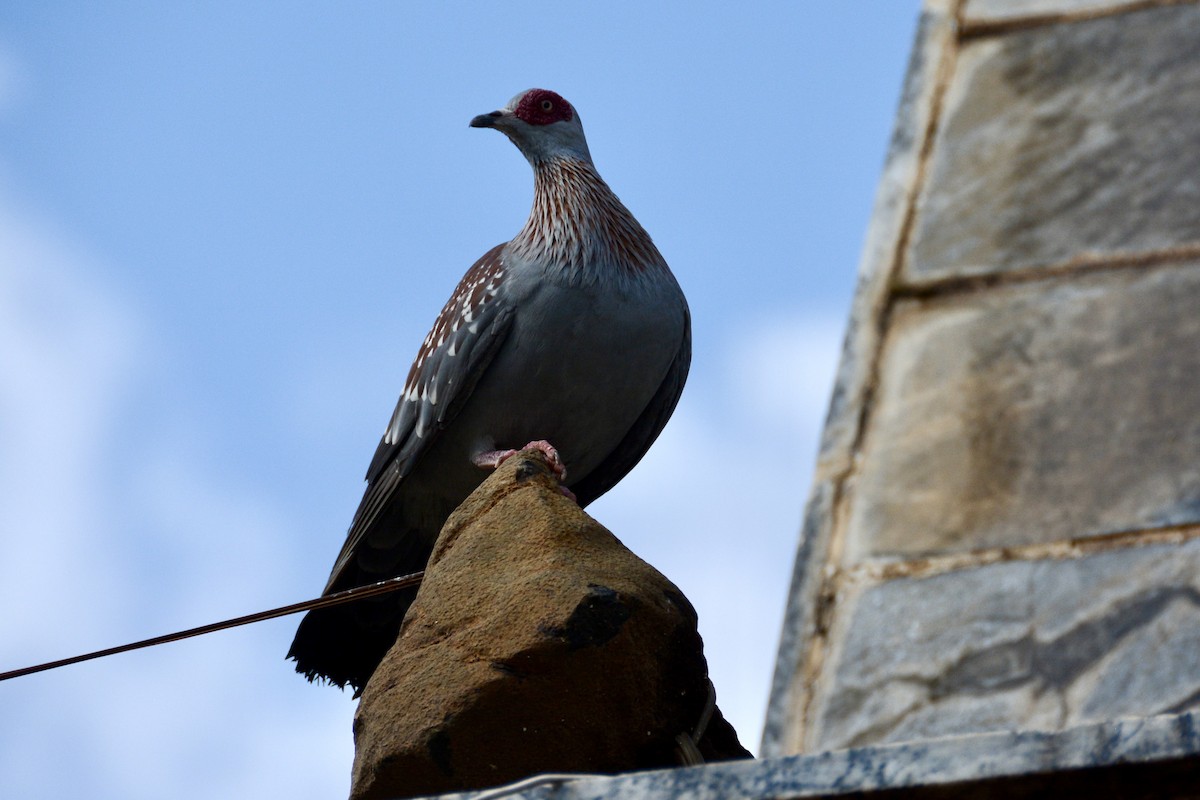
x: 786, y: 369
x: 66, y: 351
x: 98, y: 546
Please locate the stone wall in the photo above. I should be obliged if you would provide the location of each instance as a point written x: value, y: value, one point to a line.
x: 1004, y: 531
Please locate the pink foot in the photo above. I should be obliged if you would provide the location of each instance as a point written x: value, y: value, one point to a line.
x: 494, y: 458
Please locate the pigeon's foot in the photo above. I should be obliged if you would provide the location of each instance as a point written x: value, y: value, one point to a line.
x: 494, y: 458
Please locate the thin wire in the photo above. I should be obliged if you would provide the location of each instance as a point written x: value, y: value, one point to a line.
x: 337, y: 598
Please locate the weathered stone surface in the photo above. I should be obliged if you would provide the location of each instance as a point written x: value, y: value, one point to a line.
x: 1017, y: 645
x: 1134, y: 759
x: 1008, y: 10
x: 537, y: 643
x: 1064, y: 141
x: 1034, y: 413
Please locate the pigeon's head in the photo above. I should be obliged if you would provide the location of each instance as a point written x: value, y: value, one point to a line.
x: 541, y: 124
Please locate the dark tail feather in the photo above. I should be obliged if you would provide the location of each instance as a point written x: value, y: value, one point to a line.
x: 344, y: 644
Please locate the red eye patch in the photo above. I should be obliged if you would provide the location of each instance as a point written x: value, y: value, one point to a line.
x: 542, y: 107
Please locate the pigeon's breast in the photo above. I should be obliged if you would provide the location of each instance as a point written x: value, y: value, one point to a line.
x: 579, y: 367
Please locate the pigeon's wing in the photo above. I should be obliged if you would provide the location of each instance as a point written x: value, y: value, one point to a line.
x: 649, y: 424
x: 462, y: 343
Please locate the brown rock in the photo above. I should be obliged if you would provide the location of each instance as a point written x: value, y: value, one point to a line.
x: 537, y: 643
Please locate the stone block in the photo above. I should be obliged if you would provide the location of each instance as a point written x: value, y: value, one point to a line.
x: 1065, y: 142
x: 1015, y: 645
x: 1034, y: 413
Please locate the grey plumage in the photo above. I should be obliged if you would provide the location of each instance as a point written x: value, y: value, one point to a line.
x: 574, y: 332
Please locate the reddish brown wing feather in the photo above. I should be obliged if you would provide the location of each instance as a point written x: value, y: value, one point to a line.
x: 431, y: 380
x: 464, y: 339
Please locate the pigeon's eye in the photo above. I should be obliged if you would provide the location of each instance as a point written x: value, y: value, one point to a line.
x: 541, y: 107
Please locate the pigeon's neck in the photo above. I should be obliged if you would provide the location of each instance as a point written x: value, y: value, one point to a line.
x: 579, y: 226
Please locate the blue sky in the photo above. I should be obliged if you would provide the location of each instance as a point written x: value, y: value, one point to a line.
x: 224, y: 230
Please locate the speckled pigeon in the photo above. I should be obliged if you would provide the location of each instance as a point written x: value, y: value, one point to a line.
x: 574, y: 333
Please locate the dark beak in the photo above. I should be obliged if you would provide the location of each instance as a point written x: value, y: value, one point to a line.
x: 487, y: 120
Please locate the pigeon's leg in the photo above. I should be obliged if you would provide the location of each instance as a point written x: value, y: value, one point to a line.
x: 494, y: 458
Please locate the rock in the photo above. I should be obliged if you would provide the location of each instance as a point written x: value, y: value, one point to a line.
x: 537, y: 643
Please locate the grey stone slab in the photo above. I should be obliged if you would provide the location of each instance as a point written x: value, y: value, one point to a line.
x: 977, y: 11
x: 1154, y: 759
x: 1018, y: 645
x: 1034, y: 413
x: 1063, y: 142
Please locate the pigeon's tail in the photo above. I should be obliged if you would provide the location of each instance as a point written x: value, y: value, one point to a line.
x: 344, y: 644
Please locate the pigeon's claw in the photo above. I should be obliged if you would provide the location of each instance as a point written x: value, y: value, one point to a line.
x: 494, y: 458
